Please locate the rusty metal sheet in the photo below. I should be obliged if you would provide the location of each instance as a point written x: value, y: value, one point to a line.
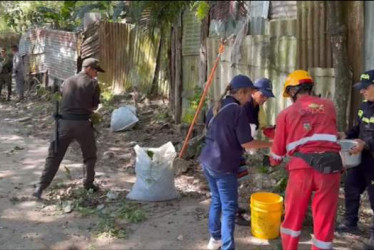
x: 191, y: 34
x: 283, y: 9
x: 314, y: 44
x: 257, y: 26
x: 324, y: 81
x: 259, y: 9
x: 262, y: 56
x: 50, y: 50
x: 128, y: 56
x: 190, y: 79
x: 283, y: 27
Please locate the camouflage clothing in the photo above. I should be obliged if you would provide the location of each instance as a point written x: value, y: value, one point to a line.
x: 6, y: 75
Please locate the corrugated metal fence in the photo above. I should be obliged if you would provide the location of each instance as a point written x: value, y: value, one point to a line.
x: 61, y: 54
x: 294, y: 37
x: 114, y: 54
x: 127, y: 55
x: 262, y: 56
x: 314, y: 47
x: 52, y: 50
x: 265, y: 56
x: 283, y: 9
x: 190, y: 58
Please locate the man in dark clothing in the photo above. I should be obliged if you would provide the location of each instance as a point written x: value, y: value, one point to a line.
x: 6, y: 72
x: 263, y: 91
x: 254, y: 108
x: 361, y: 177
x: 80, y: 97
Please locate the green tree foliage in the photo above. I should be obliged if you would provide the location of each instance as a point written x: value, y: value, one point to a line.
x: 201, y: 8
x: 21, y: 15
x: 63, y: 15
x: 152, y: 15
x: 68, y: 15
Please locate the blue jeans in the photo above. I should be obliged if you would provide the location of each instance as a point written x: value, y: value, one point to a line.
x: 224, y: 189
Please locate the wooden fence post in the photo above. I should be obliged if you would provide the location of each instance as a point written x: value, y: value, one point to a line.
x: 343, y: 74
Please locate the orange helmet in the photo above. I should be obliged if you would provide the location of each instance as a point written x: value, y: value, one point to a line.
x: 296, y: 78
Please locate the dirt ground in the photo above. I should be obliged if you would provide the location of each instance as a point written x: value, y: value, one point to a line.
x: 54, y: 224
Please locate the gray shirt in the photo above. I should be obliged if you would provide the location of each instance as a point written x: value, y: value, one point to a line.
x: 18, y: 67
x: 80, y: 95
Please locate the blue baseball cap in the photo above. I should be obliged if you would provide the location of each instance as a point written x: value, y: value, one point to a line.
x: 264, y: 85
x: 366, y: 79
x: 241, y: 81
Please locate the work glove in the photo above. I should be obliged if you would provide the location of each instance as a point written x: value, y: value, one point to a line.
x: 269, y: 132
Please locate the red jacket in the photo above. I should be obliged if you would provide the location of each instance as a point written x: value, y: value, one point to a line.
x: 307, y: 126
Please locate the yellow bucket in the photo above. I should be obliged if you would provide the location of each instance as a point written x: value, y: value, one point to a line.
x: 266, y: 213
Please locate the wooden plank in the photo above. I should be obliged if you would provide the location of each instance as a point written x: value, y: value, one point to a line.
x: 309, y: 5
x: 204, y: 32
x: 107, y: 44
x: 109, y: 56
x: 116, y: 51
x: 172, y: 72
x: 105, y: 51
x: 124, y: 54
x: 316, y: 34
x: 356, y: 48
x: 328, y: 47
x: 304, y: 59
x: 112, y: 54
x: 115, y: 56
x: 101, y: 55
x: 322, y: 38
x: 178, y: 74
x: 299, y: 36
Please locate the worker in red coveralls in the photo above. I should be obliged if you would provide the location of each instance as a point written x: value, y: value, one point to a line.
x: 307, y: 132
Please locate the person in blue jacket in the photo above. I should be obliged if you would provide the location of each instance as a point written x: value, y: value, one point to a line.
x: 228, y: 133
x: 263, y: 91
x: 259, y: 97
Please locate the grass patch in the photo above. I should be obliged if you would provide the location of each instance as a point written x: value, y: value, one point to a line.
x: 281, y: 185
x: 14, y: 200
x: 113, y: 216
x: 79, y: 200
x: 263, y: 169
x: 163, y: 115
x: 194, y: 101
x: 107, y: 97
x: 131, y: 212
x: 111, y: 222
x: 107, y: 227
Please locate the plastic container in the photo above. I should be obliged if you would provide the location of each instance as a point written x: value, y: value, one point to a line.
x: 266, y: 213
x: 349, y: 160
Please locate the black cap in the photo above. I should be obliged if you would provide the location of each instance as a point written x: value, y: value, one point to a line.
x: 366, y: 79
x: 93, y: 63
x: 265, y: 87
x: 241, y: 81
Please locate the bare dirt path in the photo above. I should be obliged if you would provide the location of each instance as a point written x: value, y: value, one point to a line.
x: 29, y: 224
